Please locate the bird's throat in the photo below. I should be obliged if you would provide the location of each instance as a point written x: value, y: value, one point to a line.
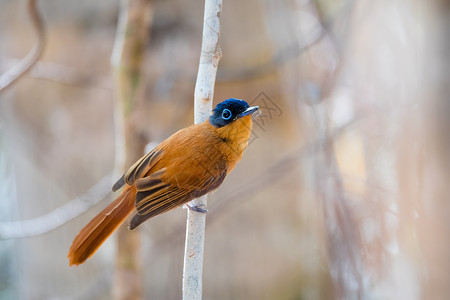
x: 234, y: 137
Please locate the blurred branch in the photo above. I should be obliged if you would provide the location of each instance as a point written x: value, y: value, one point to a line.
x: 344, y: 10
x: 23, y: 66
x: 132, y: 36
x: 46, y: 70
x: 59, y: 216
x: 343, y: 235
x: 329, y: 82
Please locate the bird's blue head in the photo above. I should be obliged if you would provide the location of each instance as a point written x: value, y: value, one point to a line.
x: 230, y: 110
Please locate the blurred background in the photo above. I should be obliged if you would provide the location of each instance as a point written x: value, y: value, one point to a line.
x: 342, y: 194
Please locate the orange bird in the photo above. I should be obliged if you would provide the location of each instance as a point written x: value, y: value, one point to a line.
x: 190, y: 163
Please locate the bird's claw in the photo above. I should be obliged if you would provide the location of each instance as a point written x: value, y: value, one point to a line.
x: 197, y: 208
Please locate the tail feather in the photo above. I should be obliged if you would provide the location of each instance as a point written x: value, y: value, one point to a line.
x: 92, y: 236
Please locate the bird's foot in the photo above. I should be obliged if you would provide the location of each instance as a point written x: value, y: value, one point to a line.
x: 197, y: 208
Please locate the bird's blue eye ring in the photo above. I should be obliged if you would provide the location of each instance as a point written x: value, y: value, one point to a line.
x: 226, y: 114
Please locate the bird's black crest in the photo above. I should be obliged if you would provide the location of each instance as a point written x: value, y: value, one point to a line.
x: 227, y: 111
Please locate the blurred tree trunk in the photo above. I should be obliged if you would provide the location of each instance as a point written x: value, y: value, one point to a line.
x: 132, y: 36
x: 433, y: 214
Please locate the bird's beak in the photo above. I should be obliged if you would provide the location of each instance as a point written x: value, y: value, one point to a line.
x: 248, y: 111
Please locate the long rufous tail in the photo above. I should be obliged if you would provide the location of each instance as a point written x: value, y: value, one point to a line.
x: 92, y: 236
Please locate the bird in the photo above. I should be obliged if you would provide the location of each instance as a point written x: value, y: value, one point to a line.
x: 189, y: 164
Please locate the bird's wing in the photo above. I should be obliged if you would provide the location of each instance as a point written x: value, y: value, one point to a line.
x: 139, y: 169
x: 156, y: 195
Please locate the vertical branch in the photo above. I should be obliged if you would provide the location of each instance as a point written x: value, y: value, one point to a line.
x: 342, y: 236
x: 203, y: 96
x: 127, y: 58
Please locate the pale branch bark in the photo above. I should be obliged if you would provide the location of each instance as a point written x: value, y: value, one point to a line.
x: 58, y: 216
x: 11, y: 76
x: 203, y: 98
x: 127, y: 59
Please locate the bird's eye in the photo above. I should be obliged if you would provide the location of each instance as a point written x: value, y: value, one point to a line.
x: 226, y: 114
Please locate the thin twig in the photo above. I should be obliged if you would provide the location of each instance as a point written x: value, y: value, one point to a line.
x: 11, y: 76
